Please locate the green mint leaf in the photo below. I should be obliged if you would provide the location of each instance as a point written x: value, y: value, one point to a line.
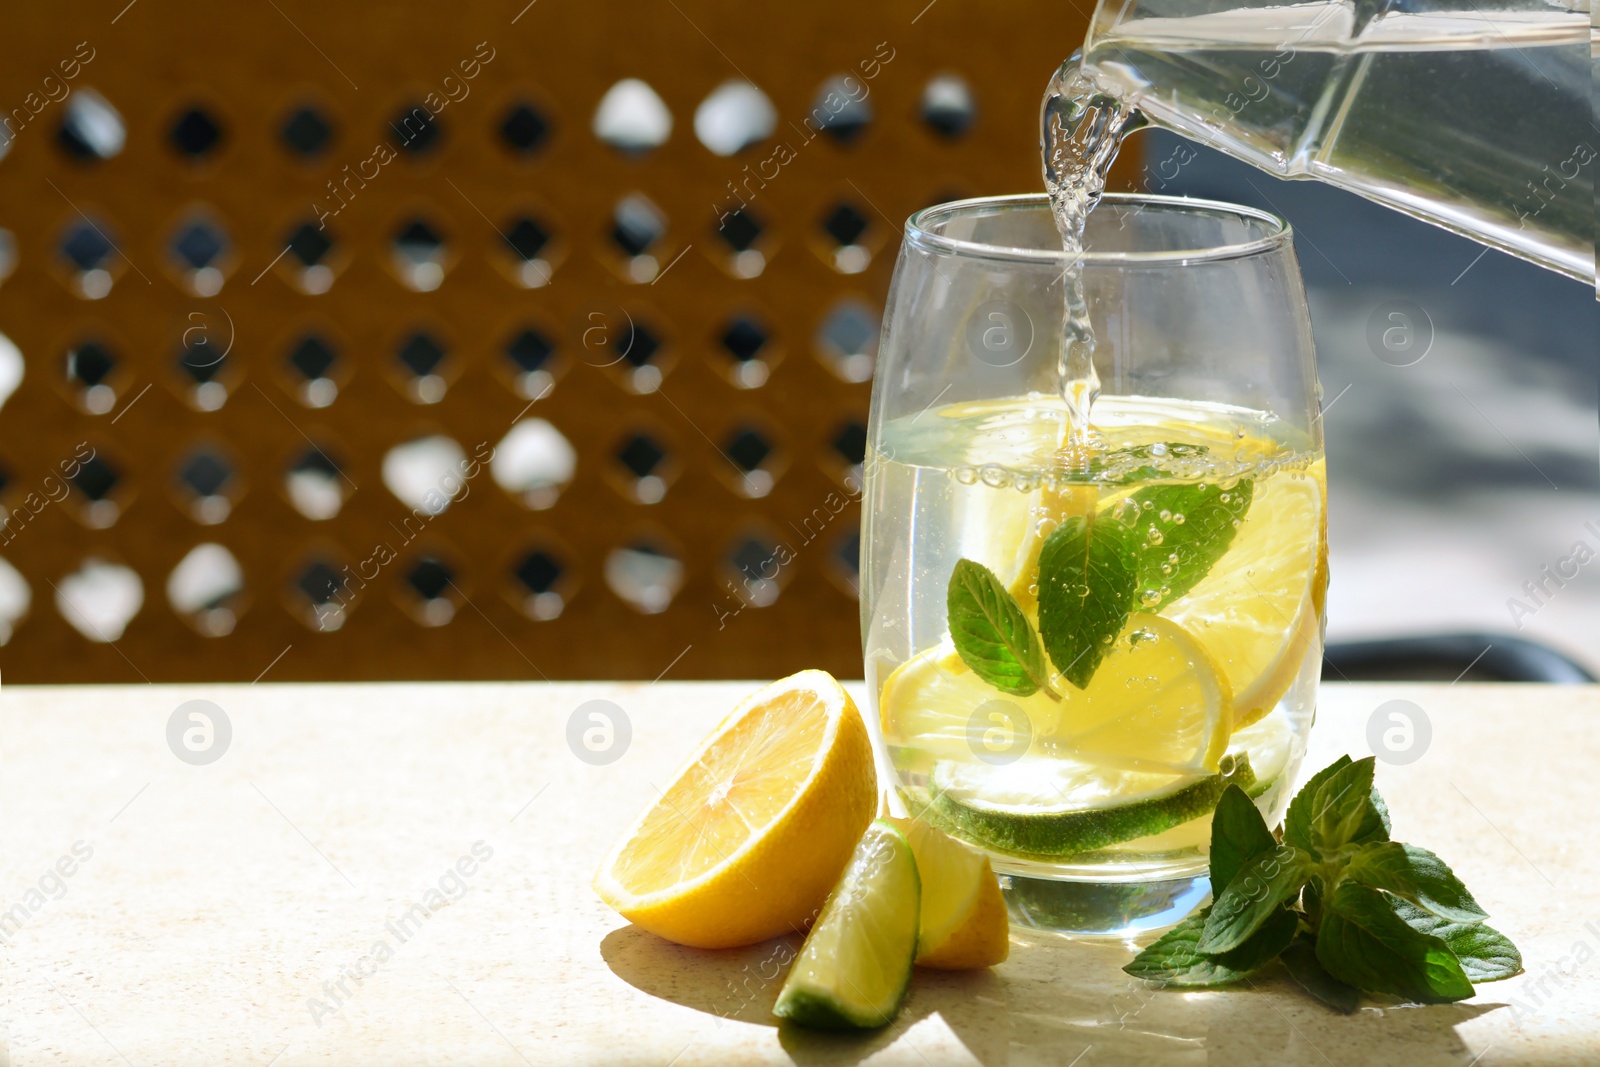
x: 1416, y: 875
x: 1364, y: 943
x: 1173, y: 959
x: 1086, y: 590
x: 1297, y: 822
x: 1198, y: 527
x: 991, y: 634
x: 1486, y: 954
x: 1238, y: 835
x: 1271, y: 937
x: 1300, y: 960
x: 1375, y: 825
x: 1340, y: 806
x: 1270, y: 879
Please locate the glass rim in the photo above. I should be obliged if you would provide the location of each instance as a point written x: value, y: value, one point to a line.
x: 917, y: 232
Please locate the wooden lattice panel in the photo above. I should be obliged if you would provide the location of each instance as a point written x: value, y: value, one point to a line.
x: 243, y: 125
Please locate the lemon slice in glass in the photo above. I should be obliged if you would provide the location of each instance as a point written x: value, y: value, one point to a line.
x: 1259, y: 610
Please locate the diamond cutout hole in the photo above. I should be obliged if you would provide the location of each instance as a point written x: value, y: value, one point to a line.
x: 91, y: 129
x: 847, y: 340
x: 431, y: 594
x: 316, y: 486
x: 15, y: 599
x: 91, y: 368
x: 99, y: 599
x: 207, y: 479
x: 312, y: 360
x: 97, y: 483
x: 841, y: 109
x: 306, y: 132
x: 89, y: 255
x: 845, y: 226
x: 850, y: 445
x: 753, y: 454
x: 739, y: 230
x: 735, y: 116
x: 947, y: 105
x: 422, y: 357
x: 531, y: 359
x: 524, y: 129
x: 745, y: 339
x: 11, y: 368
x: 426, y: 475
x: 645, y: 576
x: 418, y: 254
x: 756, y: 563
x: 8, y: 254
x: 206, y: 588
x: 637, y: 225
x: 529, y: 245
x: 204, y: 366
x: 643, y: 468
x: 199, y: 249
x: 323, y: 595
x: 196, y: 134
x: 309, y: 248
x: 540, y: 584
x: 632, y: 118
x: 418, y: 130
x: 636, y: 348
x: 534, y: 462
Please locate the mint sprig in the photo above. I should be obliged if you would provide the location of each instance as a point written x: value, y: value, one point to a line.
x: 1345, y: 909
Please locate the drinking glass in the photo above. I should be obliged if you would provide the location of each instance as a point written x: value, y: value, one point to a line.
x: 1077, y: 637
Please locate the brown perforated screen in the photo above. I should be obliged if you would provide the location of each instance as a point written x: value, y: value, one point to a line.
x: 476, y: 279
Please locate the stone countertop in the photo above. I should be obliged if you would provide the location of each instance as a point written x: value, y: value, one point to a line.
x: 400, y: 874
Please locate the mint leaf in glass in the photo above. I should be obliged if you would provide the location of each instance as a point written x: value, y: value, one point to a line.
x: 1086, y: 591
x: 1365, y: 944
x: 1181, y: 531
x: 1485, y: 953
x: 992, y: 635
x: 1416, y: 875
x: 1238, y: 835
x: 1270, y: 879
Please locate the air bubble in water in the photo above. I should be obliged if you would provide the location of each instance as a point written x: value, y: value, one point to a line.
x: 1166, y: 568
x: 1166, y: 516
x: 1153, y: 536
x: 1151, y: 597
x: 966, y: 475
x: 1025, y: 483
x: 1178, y: 519
x: 994, y: 477
x: 1158, y: 449
x: 1224, y: 498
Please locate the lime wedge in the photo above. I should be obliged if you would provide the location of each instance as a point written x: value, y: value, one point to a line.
x: 1050, y: 809
x: 853, y: 970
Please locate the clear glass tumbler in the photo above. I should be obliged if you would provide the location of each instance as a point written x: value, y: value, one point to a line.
x: 1077, y: 637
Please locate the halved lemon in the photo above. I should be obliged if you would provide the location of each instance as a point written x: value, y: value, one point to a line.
x: 753, y: 832
x: 1259, y: 610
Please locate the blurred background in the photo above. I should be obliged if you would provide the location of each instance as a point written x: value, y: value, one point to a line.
x: 532, y: 340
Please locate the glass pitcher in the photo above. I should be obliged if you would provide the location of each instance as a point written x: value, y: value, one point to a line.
x: 1475, y: 115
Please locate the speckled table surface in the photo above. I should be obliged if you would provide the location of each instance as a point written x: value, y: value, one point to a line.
x: 399, y: 874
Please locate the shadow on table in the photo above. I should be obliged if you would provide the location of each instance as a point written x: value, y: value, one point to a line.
x: 1050, y: 1003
